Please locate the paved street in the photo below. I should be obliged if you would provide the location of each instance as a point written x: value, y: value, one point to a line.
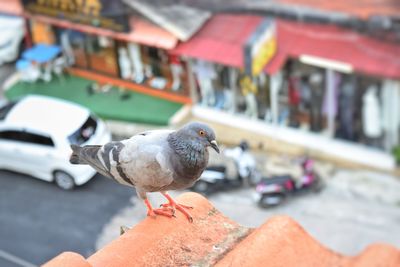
x: 39, y: 221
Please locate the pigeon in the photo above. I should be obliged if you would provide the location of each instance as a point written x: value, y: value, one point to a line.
x: 154, y: 161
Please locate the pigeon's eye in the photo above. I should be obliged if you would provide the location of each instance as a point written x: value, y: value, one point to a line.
x: 202, y: 133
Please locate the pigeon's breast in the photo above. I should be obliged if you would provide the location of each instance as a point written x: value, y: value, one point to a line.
x: 189, y: 167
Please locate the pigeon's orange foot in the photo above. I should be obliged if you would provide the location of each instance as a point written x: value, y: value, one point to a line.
x: 182, y: 208
x: 172, y: 205
x: 168, y: 205
x: 161, y: 212
x: 154, y: 212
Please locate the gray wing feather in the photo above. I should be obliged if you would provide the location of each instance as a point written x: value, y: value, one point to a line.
x: 90, y: 155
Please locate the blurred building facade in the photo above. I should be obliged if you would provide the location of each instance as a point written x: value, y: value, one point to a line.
x: 115, y: 40
x: 314, y: 75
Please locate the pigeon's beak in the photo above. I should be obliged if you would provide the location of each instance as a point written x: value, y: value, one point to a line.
x: 214, y: 145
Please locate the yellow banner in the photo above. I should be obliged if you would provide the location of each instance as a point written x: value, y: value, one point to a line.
x: 264, y: 55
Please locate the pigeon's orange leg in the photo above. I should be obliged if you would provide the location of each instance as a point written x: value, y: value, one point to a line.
x: 173, y: 205
x: 153, y: 212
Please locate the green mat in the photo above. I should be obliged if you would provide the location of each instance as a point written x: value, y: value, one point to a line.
x: 116, y: 104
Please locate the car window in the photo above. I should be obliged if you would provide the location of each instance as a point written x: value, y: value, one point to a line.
x: 4, y: 109
x: 26, y: 137
x: 84, y: 133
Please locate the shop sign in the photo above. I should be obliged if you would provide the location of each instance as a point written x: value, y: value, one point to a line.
x: 105, y: 14
x: 260, y: 47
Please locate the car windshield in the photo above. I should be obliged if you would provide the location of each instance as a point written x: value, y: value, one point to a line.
x: 5, y: 109
x: 84, y: 133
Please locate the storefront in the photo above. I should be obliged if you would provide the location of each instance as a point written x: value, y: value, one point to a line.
x: 227, y: 65
x: 130, y: 51
x: 324, y: 89
x: 344, y: 95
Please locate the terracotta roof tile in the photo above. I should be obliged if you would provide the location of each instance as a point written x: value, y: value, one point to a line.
x: 68, y: 259
x: 172, y: 242
x: 215, y: 240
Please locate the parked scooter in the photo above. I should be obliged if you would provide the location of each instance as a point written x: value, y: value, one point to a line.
x: 275, y: 190
x: 215, y: 178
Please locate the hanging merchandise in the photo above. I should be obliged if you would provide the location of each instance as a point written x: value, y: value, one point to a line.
x: 276, y: 83
x: 136, y: 61
x: 305, y: 93
x: 317, y: 94
x: 223, y: 77
x: 205, y: 73
x: 249, y: 91
x: 176, y: 71
x: 223, y: 92
x: 104, y: 42
x: 391, y: 113
x: 67, y: 47
x: 294, y: 99
x: 124, y: 64
x: 330, y: 102
x: 155, y: 60
x: 371, y: 113
x: 294, y: 91
x: 346, y: 104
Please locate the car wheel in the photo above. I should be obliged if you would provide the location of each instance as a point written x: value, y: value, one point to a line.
x: 64, y: 180
x: 271, y: 200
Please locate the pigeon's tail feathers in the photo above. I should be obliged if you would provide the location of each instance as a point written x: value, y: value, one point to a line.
x: 89, y: 155
x: 85, y: 154
x: 74, y: 158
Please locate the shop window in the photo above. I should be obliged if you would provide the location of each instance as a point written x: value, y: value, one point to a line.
x: 101, y: 53
x: 77, y: 42
x: 164, y: 71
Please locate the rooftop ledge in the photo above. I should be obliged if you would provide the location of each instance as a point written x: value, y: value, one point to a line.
x: 215, y: 240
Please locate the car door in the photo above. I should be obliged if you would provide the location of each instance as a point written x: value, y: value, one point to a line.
x: 38, y: 151
x: 30, y: 153
x: 9, y: 158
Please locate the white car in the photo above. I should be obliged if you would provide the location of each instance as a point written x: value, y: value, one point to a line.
x: 35, y: 137
x: 12, y: 32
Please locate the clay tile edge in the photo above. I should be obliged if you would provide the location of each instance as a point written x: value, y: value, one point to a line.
x: 67, y: 259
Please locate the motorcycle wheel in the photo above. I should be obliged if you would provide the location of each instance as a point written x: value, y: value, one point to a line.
x: 254, y: 178
x: 271, y: 200
x: 318, y: 186
x: 201, y: 187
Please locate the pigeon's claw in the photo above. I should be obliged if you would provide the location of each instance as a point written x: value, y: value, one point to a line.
x: 168, y: 205
x: 154, y: 212
x: 164, y: 212
x: 182, y: 209
x: 175, y: 206
x: 183, y: 206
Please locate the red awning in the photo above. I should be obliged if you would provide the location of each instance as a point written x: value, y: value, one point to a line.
x: 276, y: 62
x: 221, y: 39
x: 363, y: 53
x: 143, y: 32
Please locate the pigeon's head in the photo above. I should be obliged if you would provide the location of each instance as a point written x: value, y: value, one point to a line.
x: 202, y: 134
